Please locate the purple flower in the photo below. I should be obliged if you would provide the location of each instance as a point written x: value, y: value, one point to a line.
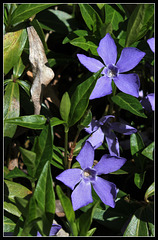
x: 148, y: 102
x: 107, y: 50
x: 151, y: 42
x: 53, y: 231
x: 104, y: 128
x: 83, y: 178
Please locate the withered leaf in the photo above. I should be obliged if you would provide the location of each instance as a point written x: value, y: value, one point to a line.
x: 42, y: 74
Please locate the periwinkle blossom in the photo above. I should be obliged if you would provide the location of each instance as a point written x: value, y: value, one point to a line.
x: 148, y: 102
x: 53, y: 231
x: 129, y: 58
x: 151, y: 42
x: 105, y: 128
x: 80, y: 180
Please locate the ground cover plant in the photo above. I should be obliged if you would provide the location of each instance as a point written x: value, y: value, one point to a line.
x: 78, y: 119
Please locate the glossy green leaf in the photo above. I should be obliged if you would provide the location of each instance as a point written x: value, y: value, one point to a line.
x: 91, y: 232
x: 136, y: 143
x: 18, y: 69
x: 25, y: 11
x: 43, y: 147
x: 25, y: 85
x: 9, y: 224
x: 85, y: 120
x: 13, y: 189
x: 16, y: 172
x: 139, y: 179
x: 138, y: 225
x: 80, y: 98
x: 13, y: 45
x: 85, y: 221
x: 86, y: 43
x: 75, y: 34
x: 54, y: 121
x: 149, y: 192
x: 90, y: 16
x: 31, y: 121
x: 149, y: 151
x: 68, y: 209
x: 65, y: 106
x: 29, y: 159
x: 45, y: 196
x: 129, y: 103
x: 57, y: 158
x: 139, y: 22
x: 112, y: 16
x: 11, y: 108
x: 11, y: 208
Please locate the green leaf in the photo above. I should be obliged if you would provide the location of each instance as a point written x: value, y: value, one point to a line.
x: 112, y: 16
x: 68, y: 209
x: 80, y: 98
x: 43, y: 147
x: 45, y: 197
x: 11, y: 108
x: 149, y: 192
x: 13, y: 189
x: 85, y: 120
x: 139, y: 22
x: 54, y: 121
x: 25, y: 85
x: 138, y: 225
x: 90, y: 16
x: 29, y: 159
x: 57, y: 158
x: 18, y: 69
x: 16, y: 172
x: 139, y: 179
x: 74, y: 34
x: 11, y: 208
x: 85, y: 220
x: 86, y: 43
x: 31, y: 121
x: 9, y: 224
x: 136, y: 143
x: 129, y: 103
x: 148, y: 151
x: 25, y: 11
x: 65, y: 106
x: 13, y: 45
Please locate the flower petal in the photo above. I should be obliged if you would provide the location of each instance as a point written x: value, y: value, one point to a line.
x: 108, y: 164
x: 128, y: 83
x: 102, y: 88
x: 129, y: 58
x: 70, y: 177
x: 151, y: 42
x: 92, y: 64
x: 53, y: 231
x: 107, y: 50
x: 151, y: 98
x: 93, y: 126
x: 86, y: 156
x: 113, y: 144
x: 106, y: 191
x: 123, y: 128
x: 104, y: 119
x: 81, y: 196
x: 97, y: 138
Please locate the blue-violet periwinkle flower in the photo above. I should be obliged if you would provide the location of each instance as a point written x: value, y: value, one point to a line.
x: 105, y: 128
x: 129, y: 58
x: 151, y: 42
x: 80, y: 180
x: 148, y: 102
x: 53, y: 231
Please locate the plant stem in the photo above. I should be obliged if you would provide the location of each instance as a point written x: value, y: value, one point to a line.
x: 72, y: 149
x: 66, y: 146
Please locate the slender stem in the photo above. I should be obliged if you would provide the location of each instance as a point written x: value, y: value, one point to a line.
x: 72, y: 148
x: 66, y: 146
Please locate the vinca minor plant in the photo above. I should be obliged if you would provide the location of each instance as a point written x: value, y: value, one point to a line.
x: 78, y: 110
